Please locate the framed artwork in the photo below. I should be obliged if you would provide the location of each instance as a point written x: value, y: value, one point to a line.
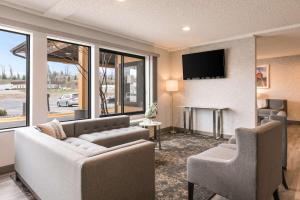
x: 263, y: 76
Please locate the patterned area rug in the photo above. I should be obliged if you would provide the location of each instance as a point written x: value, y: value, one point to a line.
x: 170, y: 165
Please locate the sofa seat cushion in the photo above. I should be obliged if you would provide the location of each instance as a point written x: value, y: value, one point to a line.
x: 84, y: 147
x: 115, y: 137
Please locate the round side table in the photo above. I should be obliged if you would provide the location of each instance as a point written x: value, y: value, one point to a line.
x: 156, y: 125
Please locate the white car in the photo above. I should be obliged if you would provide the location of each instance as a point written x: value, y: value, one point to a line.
x: 68, y: 100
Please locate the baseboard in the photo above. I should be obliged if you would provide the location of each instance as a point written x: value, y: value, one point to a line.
x: 7, y: 169
x: 166, y: 130
x: 182, y: 130
x: 293, y: 122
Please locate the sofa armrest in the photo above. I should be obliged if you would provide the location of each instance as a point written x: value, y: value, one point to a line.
x: 126, y: 173
x: 50, y: 169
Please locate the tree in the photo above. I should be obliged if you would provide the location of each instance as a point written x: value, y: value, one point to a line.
x: 104, y: 63
x: 11, y: 72
x: 3, y: 75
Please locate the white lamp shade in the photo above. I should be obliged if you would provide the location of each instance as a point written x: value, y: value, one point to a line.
x: 172, y: 85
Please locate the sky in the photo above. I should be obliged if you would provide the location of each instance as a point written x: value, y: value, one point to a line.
x: 7, y: 42
x: 10, y: 40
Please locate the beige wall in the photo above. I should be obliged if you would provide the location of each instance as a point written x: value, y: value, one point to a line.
x: 236, y: 91
x: 40, y: 28
x: 284, y: 82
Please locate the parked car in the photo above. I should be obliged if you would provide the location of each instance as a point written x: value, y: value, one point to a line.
x: 68, y: 100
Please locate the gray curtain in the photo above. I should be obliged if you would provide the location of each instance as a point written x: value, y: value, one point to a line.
x: 154, y: 80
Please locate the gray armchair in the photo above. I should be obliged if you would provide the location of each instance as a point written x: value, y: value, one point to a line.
x: 252, y: 171
x: 273, y: 105
x: 281, y: 117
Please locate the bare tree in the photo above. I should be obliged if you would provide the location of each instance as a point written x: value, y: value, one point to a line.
x: 105, y: 60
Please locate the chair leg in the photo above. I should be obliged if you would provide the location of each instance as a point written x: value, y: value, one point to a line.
x: 190, y: 191
x: 284, y: 181
x: 276, y: 195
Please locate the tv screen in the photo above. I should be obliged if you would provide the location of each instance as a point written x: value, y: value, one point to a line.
x: 209, y: 64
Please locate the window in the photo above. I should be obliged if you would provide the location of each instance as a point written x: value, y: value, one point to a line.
x: 122, y: 83
x: 14, y: 79
x: 68, y: 95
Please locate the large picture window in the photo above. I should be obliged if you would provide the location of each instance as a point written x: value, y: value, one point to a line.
x: 14, y: 79
x: 68, y: 95
x: 122, y: 83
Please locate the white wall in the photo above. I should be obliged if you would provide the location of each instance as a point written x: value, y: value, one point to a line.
x: 236, y: 91
x: 40, y: 28
x: 284, y: 82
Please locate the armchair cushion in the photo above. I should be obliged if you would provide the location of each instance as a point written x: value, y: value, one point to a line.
x: 232, y: 140
x: 230, y: 146
x: 214, y: 154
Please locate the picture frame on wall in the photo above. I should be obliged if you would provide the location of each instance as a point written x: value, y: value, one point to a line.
x: 263, y: 76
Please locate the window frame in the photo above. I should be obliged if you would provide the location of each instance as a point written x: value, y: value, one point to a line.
x: 89, y: 76
x: 123, y: 54
x: 27, y: 90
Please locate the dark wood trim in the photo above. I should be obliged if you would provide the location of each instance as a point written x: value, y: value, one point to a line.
x: 19, y: 178
x: 293, y: 122
x: 276, y: 195
x: 284, y: 183
x: 7, y: 169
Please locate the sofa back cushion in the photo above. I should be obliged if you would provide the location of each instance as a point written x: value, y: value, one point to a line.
x: 278, y: 104
x: 69, y: 128
x: 101, y: 124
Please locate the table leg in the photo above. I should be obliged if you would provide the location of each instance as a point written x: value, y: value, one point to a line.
x: 214, y: 123
x: 159, y: 142
x: 184, y: 119
x: 221, y: 124
x: 190, y: 120
x: 218, y: 124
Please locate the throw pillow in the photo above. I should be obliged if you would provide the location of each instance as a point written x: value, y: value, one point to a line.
x: 54, y: 129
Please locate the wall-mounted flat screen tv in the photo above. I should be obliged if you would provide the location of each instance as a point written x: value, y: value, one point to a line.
x: 209, y: 64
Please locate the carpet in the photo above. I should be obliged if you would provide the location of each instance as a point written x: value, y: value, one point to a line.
x: 170, y: 165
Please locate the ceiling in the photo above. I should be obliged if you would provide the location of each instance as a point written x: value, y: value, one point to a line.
x: 279, y: 44
x: 160, y: 21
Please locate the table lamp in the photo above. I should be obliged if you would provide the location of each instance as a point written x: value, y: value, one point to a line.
x: 172, y: 86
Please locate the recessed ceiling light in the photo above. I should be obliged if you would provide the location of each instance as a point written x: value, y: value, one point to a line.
x: 186, y: 28
x: 121, y: 0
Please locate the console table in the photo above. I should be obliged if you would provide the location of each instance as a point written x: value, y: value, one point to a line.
x: 217, y: 118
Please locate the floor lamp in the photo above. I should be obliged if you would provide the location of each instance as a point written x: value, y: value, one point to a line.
x: 172, y: 86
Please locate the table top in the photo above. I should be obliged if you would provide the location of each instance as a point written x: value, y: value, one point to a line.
x: 150, y: 123
x: 204, y: 107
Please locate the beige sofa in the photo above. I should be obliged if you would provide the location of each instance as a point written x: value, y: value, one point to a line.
x: 102, y: 159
